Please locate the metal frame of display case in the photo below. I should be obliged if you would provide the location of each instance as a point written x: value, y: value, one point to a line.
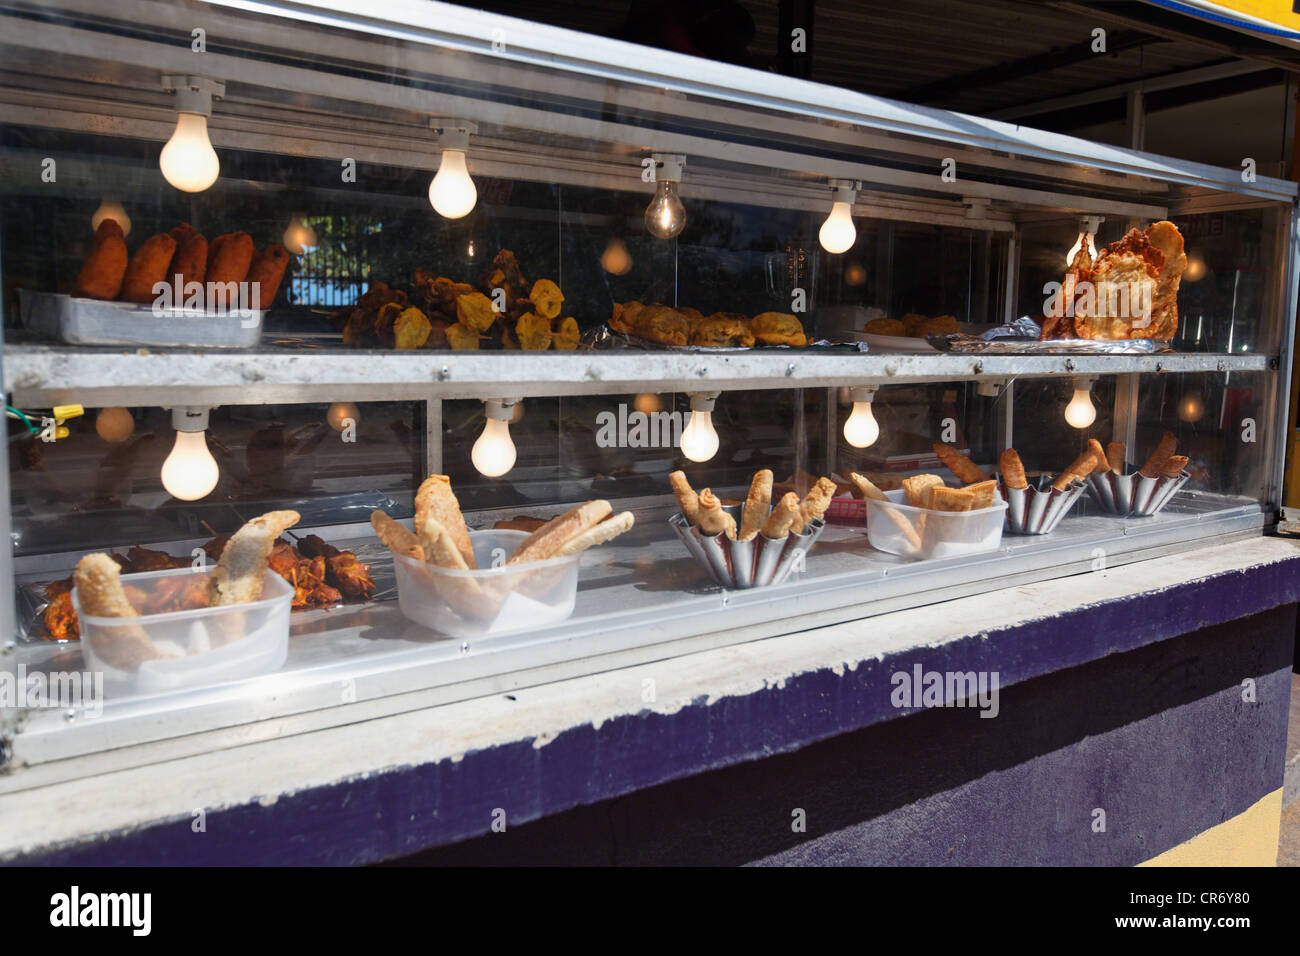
x: 770, y: 142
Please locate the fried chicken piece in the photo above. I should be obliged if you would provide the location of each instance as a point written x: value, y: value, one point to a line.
x: 214, y: 547
x: 140, y: 559
x: 60, y: 619
x: 350, y: 576
x: 312, y: 546
x: 1118, y: 302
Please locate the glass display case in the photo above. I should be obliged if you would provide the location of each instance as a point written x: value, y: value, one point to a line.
x: 329, y: 124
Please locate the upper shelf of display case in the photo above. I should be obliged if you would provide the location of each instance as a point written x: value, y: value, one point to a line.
x: 43, y: 376
x: 327, y: 78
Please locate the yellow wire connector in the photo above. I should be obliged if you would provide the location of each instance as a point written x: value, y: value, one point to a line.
x: 63, y: 412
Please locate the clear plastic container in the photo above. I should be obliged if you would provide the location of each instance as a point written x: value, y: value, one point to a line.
x: 492, y: 600
x: 178, y: 649
x: 901, y: 529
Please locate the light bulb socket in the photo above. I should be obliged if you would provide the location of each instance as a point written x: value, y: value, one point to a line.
x: 845, y: 190
x: 1090, y: 224
x: 194, y: 94
x: 453, y: 133
x: 1084, y: 383
x: 668, y: 167
x: 500, y: 409
x: 862, y: 393
x: 191, y: 418
x: 703, y: 401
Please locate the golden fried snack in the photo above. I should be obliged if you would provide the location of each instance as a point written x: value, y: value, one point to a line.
x: 396, y: 537
x: 719, y: 331
x: 1174, y: 466
x: 951, y: 499
x: 966, y: 470
x: 597, y: 534
x: 267, y: 270
x: 181, y: 233
x: 439, y: 548
x: 100, y: 594
x: 778, y: 328
x: 782, y: 517
x: 661, y: 324
x: 534, y: 332
x: 547, y: 540
x: 566, y: 335
x: 1123, y: 284
x: 918, y: 489
x: 884, y: 326
x: 867, y: 487
x: 1115, y: 457
x: 435, y: 499
x: 411, y: 329
x: 814, y: 504
x: 1098, y: 456
x: 147, y: 268
x: 713, y: 520
x: 687, y: 500
x: 984, y: 492
x: 474, y: 311
x: 237, y: 578
x: 102, y: 273
x: 1164, y: 310
x: 546, y: 298
x: 1168, y: 445
x: 757, y: 505
x: 1013, y: 472
x: 229, y: 259
x: 188, y: 263
x: 460, y: 337
x: 939, y: 325
x: 1079, y: 469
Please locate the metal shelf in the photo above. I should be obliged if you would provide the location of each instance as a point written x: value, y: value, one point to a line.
x: 40, y: 376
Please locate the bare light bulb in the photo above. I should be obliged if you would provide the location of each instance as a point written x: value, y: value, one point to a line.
x: 616, y: 260
x: 299, y: 238
x: 699, y: 437
x: 110, y: 208
x: 452, y: 191
x: 1080, y: 413
x: 860, y: 428
x: 114, y: 424
x: 340, y: 414
x: 838, y: 233
x: 665, y: 217
x: 493, y: 453
x: 188, y: 161
x: 190, y: 472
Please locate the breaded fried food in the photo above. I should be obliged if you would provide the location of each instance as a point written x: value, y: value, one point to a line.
x: 984, y: 492
x: 547, y: 540
x: 918, y: 489
x: 814, y: 504
x: 1154, y: 464
x: 883, y: 326
x: 474, y: 311
x: 757, y: 504
x: 599, y: 533
x: 1123, y: 281
x: 661, y: 324
x: 778, y: 328
x: 546, y: 298
x: 951, y: 499
x: 966, y: 470
x: 147, y: 268
x: 687, y: 500
x: 397, y: 538
x: 460, y: 337
x: 1077, y: 470
x: 102, y: 273
x: 534, y: 332
x: 713, y: 520
x: 237, y: 578
x: 1013, y: 471
x: 435, y: 499
x: 778, y: 523
x: 411, y: 328
x: 939, y: 325
x: 1174, y: 466
x: 98, y: 580
x: 1165, y: 236
x: 566, y: 336
x: 267, y: 270
x: 1115, y: 457
x: 1100, y: 462
x: 229, y: 258
x: 867, y: 487
x: 188, y: 264
x: 439, y: 548
x: 718, y: 332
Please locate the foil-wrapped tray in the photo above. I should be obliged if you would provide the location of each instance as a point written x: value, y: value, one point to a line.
x: 756, y: 563
x: 1021, y: 338
x: 92, y: 322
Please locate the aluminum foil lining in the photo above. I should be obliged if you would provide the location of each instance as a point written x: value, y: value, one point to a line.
x: 1021, y: 338
x: 1134, y: 495
x: 745, y: 564
x: 1038, y: 509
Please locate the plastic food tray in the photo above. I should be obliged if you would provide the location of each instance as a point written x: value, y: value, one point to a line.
x: 901, y: 529
x: 495, y: 599
x: 94, y: 322
x: 190, y: 648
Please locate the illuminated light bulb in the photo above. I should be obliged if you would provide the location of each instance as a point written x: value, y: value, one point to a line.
x: 1080, y: 413
x: 647, y: 403
x: 340, y: 413
x: 1195, y: 270
x: 452, y: 191
x: 665, y: 217
x: 838, y: 233
x: 616, y: 260
x: 190, y: 472
x: 188, y: 160
x: 699, y: 437
x: 299, y: 237
x: 861, y: 429
x: 110, y: 208
x: 1088, y: 227
x: 114, y: 424
x: 493, y: 453
x: 469, y: 252
x: 1191, y: 408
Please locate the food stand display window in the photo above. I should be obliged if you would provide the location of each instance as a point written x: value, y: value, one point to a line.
x: 609, y: 253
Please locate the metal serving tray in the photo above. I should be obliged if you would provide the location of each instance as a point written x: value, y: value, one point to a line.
x: 94, y: 322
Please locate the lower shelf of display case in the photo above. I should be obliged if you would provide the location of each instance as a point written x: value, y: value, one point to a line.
x: 640, y: 598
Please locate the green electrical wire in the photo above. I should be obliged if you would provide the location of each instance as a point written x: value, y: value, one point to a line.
x: 15, y: 413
